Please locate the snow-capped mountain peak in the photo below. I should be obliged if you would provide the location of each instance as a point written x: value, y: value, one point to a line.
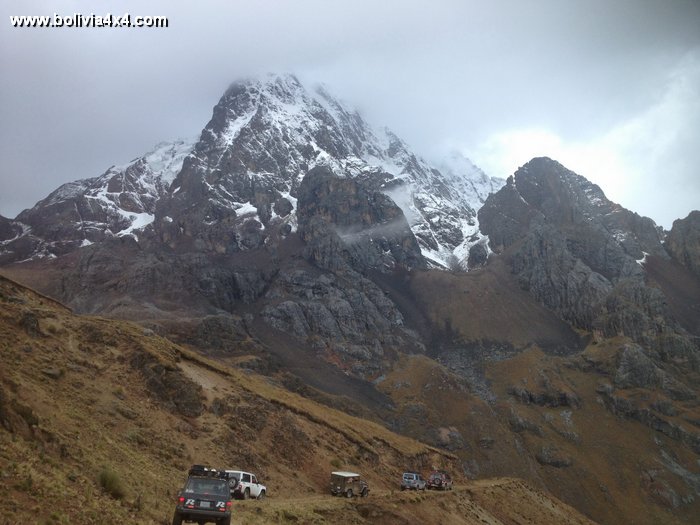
x: 266, y: 134
x: 240, y: 179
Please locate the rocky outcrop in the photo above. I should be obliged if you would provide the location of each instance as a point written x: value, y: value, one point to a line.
x: 505, y: 217
x: 636, y: 369
x: 683, y: 241
x: 8, y: 229
x: 344, y: 317
x: 120, y: 202
x: 577, y: 252
x: 624, y: 406
x: 14, y: 245
x: 556, y: 278
x: 343, y: 222
x: 551, y: 456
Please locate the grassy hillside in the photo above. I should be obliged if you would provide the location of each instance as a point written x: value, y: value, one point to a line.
x: 100, y: 419
x: 505, y: 388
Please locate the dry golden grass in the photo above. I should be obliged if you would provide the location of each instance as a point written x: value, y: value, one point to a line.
x: 89, y: 442
x: 72, y: 402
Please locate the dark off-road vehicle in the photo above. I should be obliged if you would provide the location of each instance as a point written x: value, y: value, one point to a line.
x: 205, y: 498
x: 348, y: 484
x: 439, y: 480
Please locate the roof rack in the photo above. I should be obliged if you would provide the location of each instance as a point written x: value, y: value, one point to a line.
x: 201, y: 470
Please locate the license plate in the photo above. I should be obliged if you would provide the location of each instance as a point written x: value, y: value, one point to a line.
x: 205, y: 504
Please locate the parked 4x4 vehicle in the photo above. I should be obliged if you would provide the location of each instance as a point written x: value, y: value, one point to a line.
x: 412, y: 480
x: 204, y: 498
x: 348, y: 484
x: 244, y: 485
x: 439, y: 480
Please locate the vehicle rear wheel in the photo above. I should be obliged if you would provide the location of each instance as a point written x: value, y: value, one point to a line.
x: 177, y: 519
x: 246, y: 494
x: 225, y: 521
x: 348, y: 493
x: 364, y: 493
x: 261, y: 495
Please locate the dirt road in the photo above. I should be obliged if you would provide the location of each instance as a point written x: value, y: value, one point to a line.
x: 484, y: 502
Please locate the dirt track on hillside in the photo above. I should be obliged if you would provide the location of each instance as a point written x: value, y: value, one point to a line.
x: 499, y: 501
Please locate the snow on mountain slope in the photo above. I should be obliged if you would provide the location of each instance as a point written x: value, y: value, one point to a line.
x: 239, y: 182
x: 266, y: 134
x: 119, y: 202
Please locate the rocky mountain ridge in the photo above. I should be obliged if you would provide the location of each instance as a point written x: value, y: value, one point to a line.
x: 117, y: 203
x: 226, y: 191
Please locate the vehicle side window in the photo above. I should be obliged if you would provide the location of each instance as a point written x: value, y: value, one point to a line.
x: 255, y: 479
x: 245, y: 478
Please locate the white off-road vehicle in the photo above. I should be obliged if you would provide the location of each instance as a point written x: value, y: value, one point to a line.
x: 244, y: 485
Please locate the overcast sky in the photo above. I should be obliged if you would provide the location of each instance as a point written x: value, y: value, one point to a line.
x: 610, y: 88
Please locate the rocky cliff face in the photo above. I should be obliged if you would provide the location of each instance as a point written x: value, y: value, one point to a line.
x: 346, y: 224
x: 119, y: 202
x: 7, y: 229
x: 577, y: 252
x: 10, y: 232
x: 683, y: 241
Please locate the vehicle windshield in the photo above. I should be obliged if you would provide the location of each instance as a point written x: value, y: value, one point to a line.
x: 216, y: 487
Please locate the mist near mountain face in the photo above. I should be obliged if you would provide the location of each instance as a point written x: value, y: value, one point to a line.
x: 610, y: 90
x: 357, y: 233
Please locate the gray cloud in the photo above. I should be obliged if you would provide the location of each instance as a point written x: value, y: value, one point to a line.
x: 441, y: 74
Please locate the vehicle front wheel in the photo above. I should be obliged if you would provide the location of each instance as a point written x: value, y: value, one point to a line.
x: 364, y: 493
x: 348, y: 494
x: 177, y: 519
x: 261, y: 495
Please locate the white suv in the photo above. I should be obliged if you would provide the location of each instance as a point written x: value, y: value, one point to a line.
x: 412, y: 480
x: 245, y: 485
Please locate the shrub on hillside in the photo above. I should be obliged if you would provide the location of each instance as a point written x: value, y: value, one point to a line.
x: 111, y: 483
